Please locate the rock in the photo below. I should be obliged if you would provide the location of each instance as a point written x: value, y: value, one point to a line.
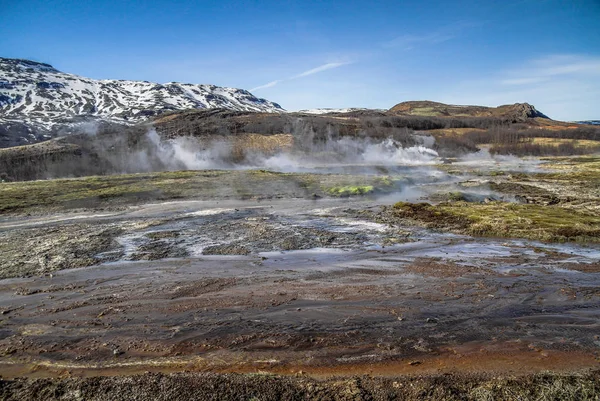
x: 226, y: 249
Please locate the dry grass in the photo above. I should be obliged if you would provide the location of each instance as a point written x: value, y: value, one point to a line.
x: 265, y: 144
x: 453, y: 131
x: 578, y: 143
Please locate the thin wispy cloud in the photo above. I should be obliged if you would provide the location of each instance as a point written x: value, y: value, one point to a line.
x: 444, y: 34
x: 324, y: 67
x: 268, y: 85
x: 312, y: 71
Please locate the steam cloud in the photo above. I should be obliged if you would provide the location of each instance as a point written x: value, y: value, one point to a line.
x: 94, y: 148
x: 188, y: 153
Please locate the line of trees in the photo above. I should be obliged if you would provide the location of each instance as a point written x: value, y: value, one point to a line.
x: 519, y: 140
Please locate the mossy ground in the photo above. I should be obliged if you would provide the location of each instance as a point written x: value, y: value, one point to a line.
x: 126, y: 189
x: 350, y: 190
x: 562, y: 204
x: 584, y: 171
x: 99, y: 190
x: 502, y: 219
x: 364, y: 185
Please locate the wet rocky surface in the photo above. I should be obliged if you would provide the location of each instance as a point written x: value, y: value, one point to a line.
x: 295, y: 285
x: 278, y: 296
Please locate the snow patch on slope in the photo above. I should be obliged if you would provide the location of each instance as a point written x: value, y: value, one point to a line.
x: 40, y: 96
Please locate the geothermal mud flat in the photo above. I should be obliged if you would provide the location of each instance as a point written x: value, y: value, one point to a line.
x: 292, y: 283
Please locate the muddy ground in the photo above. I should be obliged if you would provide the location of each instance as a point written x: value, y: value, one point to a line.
x: 308, y: 286
x: 203, y: 386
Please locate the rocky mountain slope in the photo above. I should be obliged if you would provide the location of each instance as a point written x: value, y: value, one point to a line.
x: 518, y: 112
x: 36, y: 100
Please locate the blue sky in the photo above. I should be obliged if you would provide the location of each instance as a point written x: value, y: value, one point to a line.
x: 307, y: 54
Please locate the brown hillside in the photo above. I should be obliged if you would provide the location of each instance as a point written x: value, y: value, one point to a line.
x: 518, y: 112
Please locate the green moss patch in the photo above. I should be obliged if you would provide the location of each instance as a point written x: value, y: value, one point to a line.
x: 350, y: 190
x: 97, y: 192
x: 100, y: 191
x: 500, y: 219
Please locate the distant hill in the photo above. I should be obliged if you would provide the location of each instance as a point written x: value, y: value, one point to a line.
x: 37, y: 100
x: 239, y: 136
x: 518, y: 112
x: 589, y: 122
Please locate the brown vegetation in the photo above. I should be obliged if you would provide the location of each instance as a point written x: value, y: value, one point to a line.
x: 203, y: 386
x: 109, y: 150
x: 518, y: 112
x: 522, y: 140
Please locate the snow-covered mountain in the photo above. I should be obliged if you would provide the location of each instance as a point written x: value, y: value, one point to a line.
x: 35, y: 98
